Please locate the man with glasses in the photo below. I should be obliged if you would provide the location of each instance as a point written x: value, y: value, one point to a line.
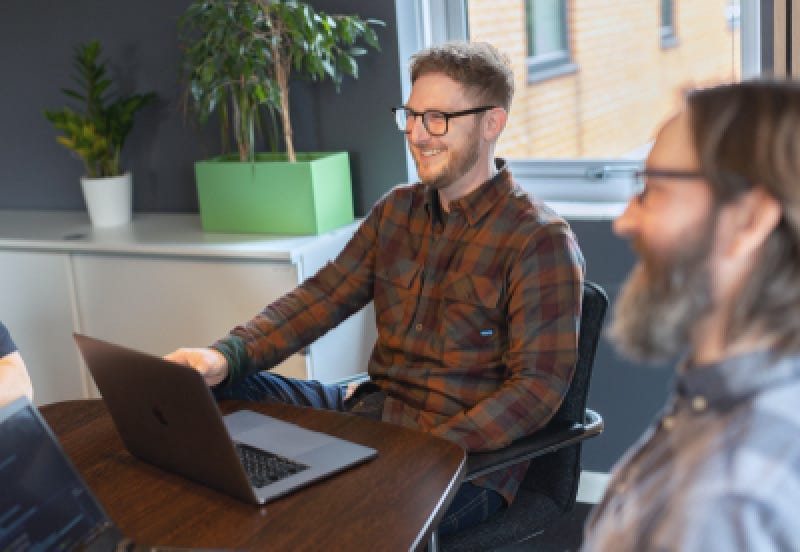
x: 477, y: 289
x: 717, y: 230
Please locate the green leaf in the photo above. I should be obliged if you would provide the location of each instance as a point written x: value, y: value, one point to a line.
x: 260, y: 94
x: 371, y: 38
x: 207, y: 74
x: 348, y: 65
x: 72, y: 94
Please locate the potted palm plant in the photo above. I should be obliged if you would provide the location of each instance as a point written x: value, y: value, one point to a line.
x: 239, y: 56
x: 96, y: 133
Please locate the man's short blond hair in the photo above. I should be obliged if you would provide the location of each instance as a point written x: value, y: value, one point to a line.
x: 478, y: 66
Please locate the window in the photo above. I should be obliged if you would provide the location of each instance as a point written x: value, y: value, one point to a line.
x: 575, y: 138
x: 547, y: 40
x: 668, y: 38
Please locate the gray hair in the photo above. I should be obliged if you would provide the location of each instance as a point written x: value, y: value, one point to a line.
x: 747, y: 136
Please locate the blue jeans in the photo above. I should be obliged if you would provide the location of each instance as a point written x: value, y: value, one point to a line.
x: 470, y: 506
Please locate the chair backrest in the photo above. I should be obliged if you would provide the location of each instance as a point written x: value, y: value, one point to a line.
x: 557, y: 474
x: 593, y: 312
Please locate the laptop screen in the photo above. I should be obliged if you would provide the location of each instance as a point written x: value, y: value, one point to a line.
x: 44, y: 504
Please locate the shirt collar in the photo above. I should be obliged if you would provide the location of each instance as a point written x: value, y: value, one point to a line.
x: 737, y: 378
x: 476, y: 204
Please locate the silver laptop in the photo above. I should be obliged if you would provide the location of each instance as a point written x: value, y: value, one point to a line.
x: 167, y: 416
x: 44, y: 503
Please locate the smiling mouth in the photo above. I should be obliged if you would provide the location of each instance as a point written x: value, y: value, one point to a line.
x: 431, y: 153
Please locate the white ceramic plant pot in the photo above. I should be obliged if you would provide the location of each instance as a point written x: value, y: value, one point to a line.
x: 108, y: 199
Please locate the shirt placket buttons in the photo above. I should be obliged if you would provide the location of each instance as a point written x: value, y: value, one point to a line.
x: 699, y: 403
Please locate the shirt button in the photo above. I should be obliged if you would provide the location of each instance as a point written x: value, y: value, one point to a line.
x: 668, y: 422
x: 418, y: 327
x: 699, y: 403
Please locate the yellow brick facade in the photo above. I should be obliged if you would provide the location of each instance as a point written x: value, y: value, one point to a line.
x: 625, y: 81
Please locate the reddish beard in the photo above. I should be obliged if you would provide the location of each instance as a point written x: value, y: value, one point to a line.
x: 460, y: 163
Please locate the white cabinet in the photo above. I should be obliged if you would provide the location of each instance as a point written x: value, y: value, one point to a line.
x: 157, y: 305
x: 156, y: 284
x: 36, y: 304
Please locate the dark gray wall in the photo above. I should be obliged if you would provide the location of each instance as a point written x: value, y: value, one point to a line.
x: 359, y: 119
x: 140, y: 41
x: 627, y: 395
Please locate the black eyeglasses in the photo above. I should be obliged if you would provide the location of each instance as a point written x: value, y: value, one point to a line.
x: 640, y: 178
x: 435, y: 122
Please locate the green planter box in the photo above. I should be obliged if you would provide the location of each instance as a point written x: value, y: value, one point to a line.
x: 273, y: 196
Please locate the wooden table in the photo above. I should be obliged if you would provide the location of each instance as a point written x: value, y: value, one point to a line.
x: 389, y: 503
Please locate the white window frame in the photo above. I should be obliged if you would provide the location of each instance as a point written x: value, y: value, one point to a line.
x: 422, y: 23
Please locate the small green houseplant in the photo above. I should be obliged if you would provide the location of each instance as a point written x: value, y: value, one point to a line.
x: 239, y: 56
x: 96, y: 131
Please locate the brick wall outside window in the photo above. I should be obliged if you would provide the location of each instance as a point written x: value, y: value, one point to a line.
x: 624, y: 83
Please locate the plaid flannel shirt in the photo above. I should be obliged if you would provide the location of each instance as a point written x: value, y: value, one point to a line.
x: 477, y: 311
x: 719, y: 469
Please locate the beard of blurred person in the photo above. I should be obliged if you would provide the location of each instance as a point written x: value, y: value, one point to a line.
x: 662, y: 299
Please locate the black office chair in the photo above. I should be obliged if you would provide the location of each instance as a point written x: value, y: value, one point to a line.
x: 551, y: 482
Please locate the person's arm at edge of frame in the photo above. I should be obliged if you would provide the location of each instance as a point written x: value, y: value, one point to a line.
x: 541, y: 360
x: 14, y: 379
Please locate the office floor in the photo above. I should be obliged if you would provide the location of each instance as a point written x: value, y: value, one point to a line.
x: 565, y: 536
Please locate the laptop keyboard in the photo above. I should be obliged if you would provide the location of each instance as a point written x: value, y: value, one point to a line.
x: 263, y: 467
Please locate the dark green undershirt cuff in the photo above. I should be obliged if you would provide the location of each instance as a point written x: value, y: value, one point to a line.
x: 235, y: 353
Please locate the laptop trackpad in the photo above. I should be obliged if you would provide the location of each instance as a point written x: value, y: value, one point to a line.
x: 272, y: 434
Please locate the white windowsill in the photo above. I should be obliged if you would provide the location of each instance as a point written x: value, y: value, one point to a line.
x: 588, y: 210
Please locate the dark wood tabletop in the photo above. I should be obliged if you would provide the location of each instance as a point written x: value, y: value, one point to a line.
x: 389, y: 503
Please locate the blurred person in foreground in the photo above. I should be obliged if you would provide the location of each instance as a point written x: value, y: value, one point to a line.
x: 717, y: 231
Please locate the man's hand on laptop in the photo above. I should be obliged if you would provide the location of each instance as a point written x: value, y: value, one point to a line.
x: 209, y: 362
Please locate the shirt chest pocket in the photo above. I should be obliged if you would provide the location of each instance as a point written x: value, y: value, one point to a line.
x: 471, y: 315
x: 396, y: 293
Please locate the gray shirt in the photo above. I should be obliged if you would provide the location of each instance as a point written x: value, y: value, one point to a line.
x: 718, y: 470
